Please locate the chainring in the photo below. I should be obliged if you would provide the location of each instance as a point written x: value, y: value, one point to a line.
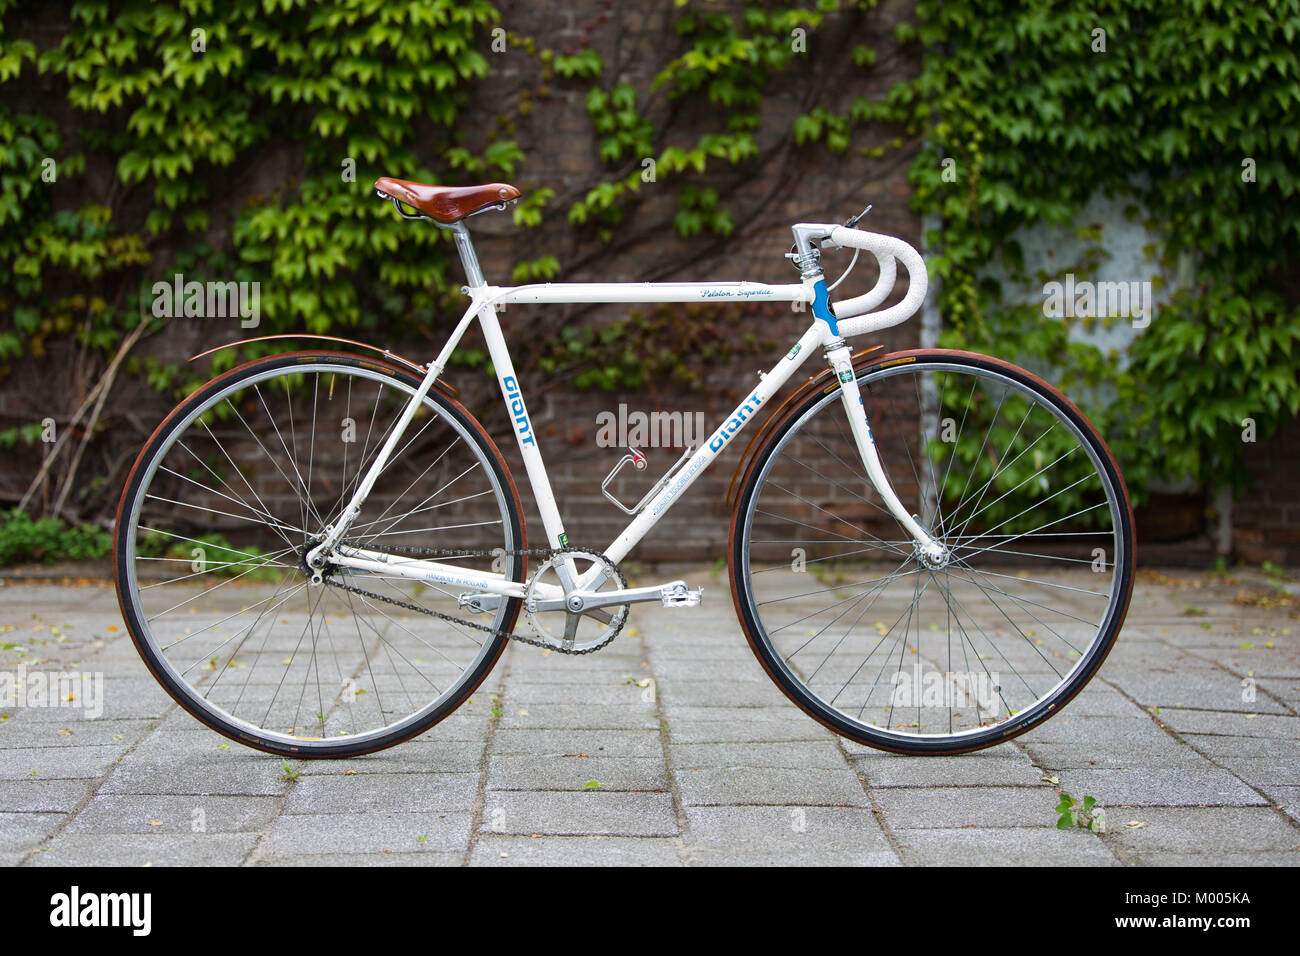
x: 608, y: 620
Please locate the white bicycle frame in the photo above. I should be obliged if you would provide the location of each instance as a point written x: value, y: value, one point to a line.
x: 828, y: 330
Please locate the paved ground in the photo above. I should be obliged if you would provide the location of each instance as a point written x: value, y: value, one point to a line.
x: 1190, y: 738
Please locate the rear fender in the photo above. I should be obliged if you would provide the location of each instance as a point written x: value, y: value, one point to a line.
x: 391, y: 357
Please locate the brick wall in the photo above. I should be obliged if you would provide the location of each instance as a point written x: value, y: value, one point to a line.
x: 1266, y: 521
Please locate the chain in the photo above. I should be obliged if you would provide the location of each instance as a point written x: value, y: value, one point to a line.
x: 462, y: 553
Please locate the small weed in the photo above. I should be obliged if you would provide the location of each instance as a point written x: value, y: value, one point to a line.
x: 1090, y: 816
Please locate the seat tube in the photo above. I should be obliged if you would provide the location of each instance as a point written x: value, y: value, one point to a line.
x: 525, y: 435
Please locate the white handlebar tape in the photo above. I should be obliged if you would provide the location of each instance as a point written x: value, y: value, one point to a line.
x: 886, y: 249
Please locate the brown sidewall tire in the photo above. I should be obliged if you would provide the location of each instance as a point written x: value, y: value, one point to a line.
x: 131, y: 488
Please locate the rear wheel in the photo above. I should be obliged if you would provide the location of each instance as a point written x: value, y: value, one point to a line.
x: 876, y: 642
x: 232, y: 491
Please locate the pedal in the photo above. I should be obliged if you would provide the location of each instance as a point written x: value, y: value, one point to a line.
x: 678, y: 594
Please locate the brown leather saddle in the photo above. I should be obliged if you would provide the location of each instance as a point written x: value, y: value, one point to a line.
x: 447, y: 204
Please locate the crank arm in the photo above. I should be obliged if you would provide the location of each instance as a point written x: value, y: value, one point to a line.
x: 591, y: 600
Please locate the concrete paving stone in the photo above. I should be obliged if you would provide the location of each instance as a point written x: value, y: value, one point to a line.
x: 374, y: 833
x: 79, y: 732
x: 34, y: 795
x: 1169, y: 754
x: 370, y: 792
x: 1205, y: 861
x: 348, y: 860
x: 160, y: 765
x: 1147, y: 649
x: 908, y: 808
x: 59, y: 763
x: 596, y: 743
x: 132, y: 813
x: 966, y: 770
x: 1008, y: 846
x: 625, y: 646
x: 146, y: 849
x: 115, y: 664
x: 1264, y: 771
x: 1209, y: 644
x: 786, y: 836
x: 667, y: 649
x: 580, y: 717
x: 135, y: 697
x: 20, y: 832
x: 611, y: 694
x: 800, y: 755
x: 770, y: 786
x: 465, y: 725
x: 1227, y: 746
x: 854, y: 749
x: 710, y: 670
x: 1206, y: 689
x: 1161, y: 788
x: 861, y: 752
x: 1287, y: 798
x: 1258, y: 661
x: 716, y: 726
x: 610, y: 663
x: 1097, y: 701
x: 11, y: 859
x: 1212, y: 830
x: 1285, y: 690
x: 1237, y: 724
x: 730, y: 694
x: 575, y: 851
x: 421, y: 755
x: 1082, y: 729
x: 529, y: 772
x: 591, y: 812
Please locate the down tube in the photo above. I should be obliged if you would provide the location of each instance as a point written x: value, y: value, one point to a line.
x: 730, y: 427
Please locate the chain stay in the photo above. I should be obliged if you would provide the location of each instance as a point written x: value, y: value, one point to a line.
x: 548, y: 553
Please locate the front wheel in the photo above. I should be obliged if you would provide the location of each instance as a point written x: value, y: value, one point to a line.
x: 894, y: 650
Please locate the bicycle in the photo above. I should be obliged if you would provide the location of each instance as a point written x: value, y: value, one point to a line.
x: 388, y: 580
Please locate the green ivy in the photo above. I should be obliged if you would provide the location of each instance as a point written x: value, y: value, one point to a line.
x: 1036, y: 119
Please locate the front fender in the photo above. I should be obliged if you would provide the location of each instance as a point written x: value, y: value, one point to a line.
x: 821, y: 380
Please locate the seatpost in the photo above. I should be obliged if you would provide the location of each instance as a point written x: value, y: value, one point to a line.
x: 468, y: 257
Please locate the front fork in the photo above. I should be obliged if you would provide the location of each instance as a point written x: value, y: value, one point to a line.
x: 929, y: 551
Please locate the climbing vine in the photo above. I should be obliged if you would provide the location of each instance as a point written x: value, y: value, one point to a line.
x: 237, y: 141
x: 1186, y: 112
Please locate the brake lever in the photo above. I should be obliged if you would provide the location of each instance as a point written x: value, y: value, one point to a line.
x: 853, y: 221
